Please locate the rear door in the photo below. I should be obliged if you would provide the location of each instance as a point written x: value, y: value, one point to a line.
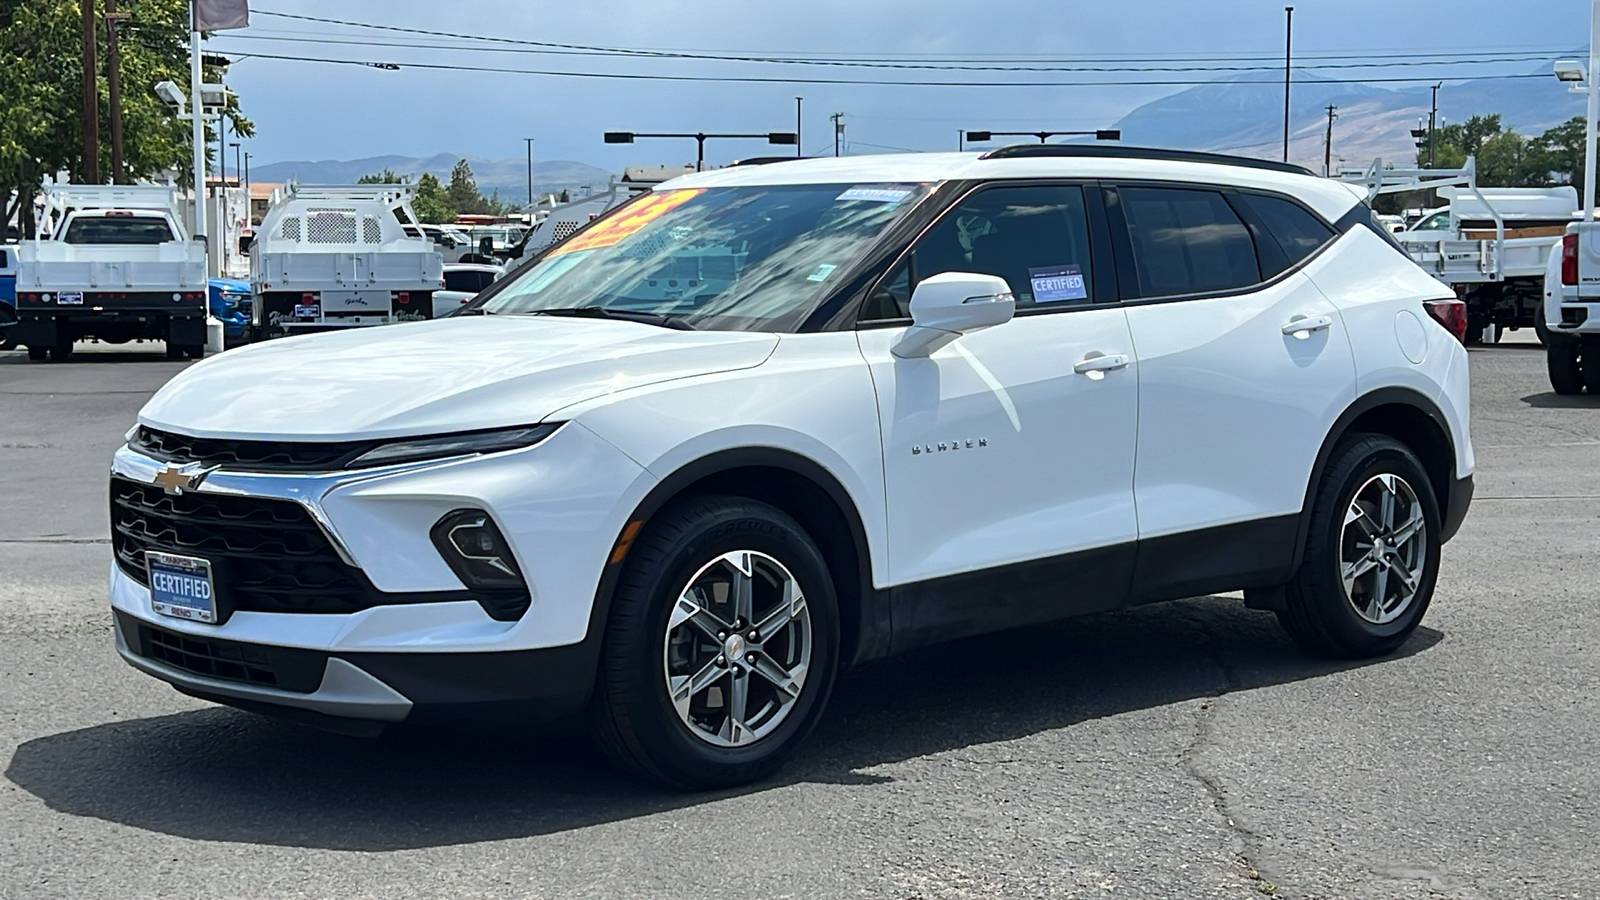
x: 1243, y: 367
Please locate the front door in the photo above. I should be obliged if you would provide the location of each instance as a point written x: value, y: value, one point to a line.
x: 1009, y: 453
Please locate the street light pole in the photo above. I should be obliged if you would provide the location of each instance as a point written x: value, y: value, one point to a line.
x: 1593, y: 115
x: 1288, y: 55
x: 785, y: 138
x: 1433, y: 119
x: 198, y: 120
x: 530, y: 170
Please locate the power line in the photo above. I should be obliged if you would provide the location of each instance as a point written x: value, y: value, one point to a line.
x: 910, y: 66
x: 755, y: 79
x: 884, y: 59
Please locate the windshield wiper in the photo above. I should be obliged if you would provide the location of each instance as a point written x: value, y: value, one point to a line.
x: 664, y: 320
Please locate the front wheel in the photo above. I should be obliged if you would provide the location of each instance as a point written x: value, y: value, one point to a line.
x: 721, y: 646
x: 1372, y: 553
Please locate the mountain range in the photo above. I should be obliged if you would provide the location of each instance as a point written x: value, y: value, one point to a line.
x: 1245, y: 117
x: 508, y: 176
x: 1240, y: 115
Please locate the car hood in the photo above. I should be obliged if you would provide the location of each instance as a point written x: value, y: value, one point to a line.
x: 456, y: 374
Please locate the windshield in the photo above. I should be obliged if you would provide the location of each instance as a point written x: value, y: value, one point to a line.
x: 1439, y: 221
x: 118, y: 230
x: 734, y: 259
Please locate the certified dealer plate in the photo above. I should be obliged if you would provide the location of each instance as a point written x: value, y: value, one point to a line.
x: 70, y: 298
x: 181, y: 587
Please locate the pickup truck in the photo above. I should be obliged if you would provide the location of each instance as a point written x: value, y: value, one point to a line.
x: 1501, y: 278
x: 1572, y: 311
x: 118, y: 266
x: 332, y: 257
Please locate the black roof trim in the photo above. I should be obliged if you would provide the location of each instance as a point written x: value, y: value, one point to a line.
x: 1092, y: 151
x: 765, y: 160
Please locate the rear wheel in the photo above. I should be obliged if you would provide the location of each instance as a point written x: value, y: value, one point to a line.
x: 38, y: 354
x: 61, y: 350
x: 1566, y: 370
x: 195, y: 351
x: 721, y: 646
x: 1589, y: 363
x: 174, y: 351
x: 1371, y: 556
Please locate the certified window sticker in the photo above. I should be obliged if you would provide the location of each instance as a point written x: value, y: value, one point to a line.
x: 877, y: 193
x: 1057, y: 284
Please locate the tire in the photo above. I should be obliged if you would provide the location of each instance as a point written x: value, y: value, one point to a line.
x: 1566, y: 371
x: 1589, y: 362
x: 698, y: 547
x: 1320, y: 613
x: 195, y: 351
x: 38, y: 354
x: 1540, y: 329
x: 174, y: 351
x: 61, y: 351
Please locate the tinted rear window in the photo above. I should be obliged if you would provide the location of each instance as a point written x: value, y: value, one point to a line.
x: 1187, y: 242
x: 118, y: 230
x: 1295, y: 230
x: 468, y: 282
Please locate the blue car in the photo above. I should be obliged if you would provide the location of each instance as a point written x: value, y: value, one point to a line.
x: 230, y: 302
x: 8, y: 292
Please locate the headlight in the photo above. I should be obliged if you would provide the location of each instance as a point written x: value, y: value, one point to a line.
x: 466, y: 442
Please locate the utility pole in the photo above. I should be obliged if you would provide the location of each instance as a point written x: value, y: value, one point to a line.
x: 798, y: 150
x: 838, y: 130
x: 1327, y: 145
x: 530, y: 170
x: 1288, y: 56
x: 119, y: 172
x: 1593, y: 111
x: 1433, y: 118
x: 91, y: 99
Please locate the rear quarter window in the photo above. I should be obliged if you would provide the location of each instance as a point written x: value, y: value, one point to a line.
x: 1293, y: 228
x: 1187, y: 241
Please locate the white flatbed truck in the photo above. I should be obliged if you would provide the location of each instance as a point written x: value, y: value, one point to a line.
x: 117, y: 266
x: 339, y: 256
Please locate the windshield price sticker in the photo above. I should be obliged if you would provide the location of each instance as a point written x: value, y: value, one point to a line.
x: 1057, y: 283
x: 876, y: 193
x: 628, y: 220
x: 822, y: 272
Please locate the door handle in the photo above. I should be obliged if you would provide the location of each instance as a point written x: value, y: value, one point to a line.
x: 1101, y: 364
x: 1302, y: 327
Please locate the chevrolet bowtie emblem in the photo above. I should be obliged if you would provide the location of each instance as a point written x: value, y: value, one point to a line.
x: 177, y: 479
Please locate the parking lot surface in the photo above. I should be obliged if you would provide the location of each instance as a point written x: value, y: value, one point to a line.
x: 1184, y: 750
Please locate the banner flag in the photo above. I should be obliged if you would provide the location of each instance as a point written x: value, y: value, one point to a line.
x: 221, y: 15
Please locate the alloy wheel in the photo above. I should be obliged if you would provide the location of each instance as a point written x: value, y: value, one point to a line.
x: 1383, y: 548
x: 738, y: 648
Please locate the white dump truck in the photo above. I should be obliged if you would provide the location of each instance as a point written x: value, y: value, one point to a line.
x: 327, y: 257
x: 117, y: 265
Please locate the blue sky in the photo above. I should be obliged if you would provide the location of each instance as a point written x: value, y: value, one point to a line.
x: 307, y: 110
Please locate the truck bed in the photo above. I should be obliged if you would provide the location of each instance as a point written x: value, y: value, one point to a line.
x: 54, y: 266
x: 345, y: 270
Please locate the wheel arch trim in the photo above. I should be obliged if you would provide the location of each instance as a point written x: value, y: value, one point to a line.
x: 1367, y: 403
x: 866, y: 634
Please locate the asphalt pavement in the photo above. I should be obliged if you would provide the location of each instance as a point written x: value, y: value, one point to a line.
x: 1184, y: 750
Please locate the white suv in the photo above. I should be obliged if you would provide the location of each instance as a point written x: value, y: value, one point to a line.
x: 772, y: 420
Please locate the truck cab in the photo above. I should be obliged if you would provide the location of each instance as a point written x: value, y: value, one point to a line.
x: 118, y: 266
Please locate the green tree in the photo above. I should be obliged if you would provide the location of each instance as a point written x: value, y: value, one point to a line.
x: 464, y: 196
x: 41, y: 86
x: 1561, y: 152
x: 387, y: 176
x: 431, y: 202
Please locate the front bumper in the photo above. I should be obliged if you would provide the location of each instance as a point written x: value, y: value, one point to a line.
x: 379, y: 688
x: 561, y: 505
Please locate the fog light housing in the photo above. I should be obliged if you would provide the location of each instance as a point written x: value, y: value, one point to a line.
x: 475, y: 550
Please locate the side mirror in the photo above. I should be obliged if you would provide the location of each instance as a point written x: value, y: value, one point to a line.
x: 948, y: 305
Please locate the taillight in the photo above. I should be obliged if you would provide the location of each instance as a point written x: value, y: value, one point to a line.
x: 308, y: 299
x: 1452, y: 314
x: 1569, y: 259
x: 402, y: 297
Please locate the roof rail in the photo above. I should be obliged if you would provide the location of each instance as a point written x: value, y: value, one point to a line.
x: 1092, y: 151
